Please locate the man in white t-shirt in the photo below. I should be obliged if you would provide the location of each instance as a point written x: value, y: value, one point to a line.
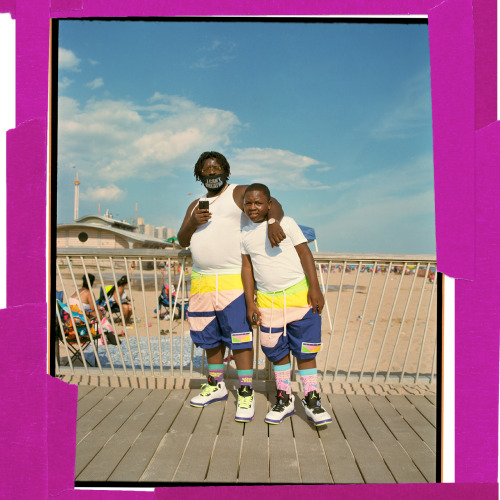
x: 289, y: 304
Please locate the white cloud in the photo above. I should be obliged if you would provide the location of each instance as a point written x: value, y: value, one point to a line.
x: 276, y: 167
x: 410, y: 111
x: 91, y: 61
x: 112, y: 141
x: 68, y: 60
x: 393, y: 209
x: 111, y: 192
x: 96, y: 83
x: 119, y: 139
x: 64, y: 83
x: 216, y: 53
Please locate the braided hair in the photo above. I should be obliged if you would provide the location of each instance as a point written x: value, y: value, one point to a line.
x: 221, y: 160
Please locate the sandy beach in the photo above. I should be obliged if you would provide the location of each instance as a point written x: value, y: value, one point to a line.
x: 364, y: 319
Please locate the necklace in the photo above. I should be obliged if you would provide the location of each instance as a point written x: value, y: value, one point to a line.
x: 215, y: 198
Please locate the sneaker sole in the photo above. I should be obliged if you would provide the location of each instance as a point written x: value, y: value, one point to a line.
x: 276, y: 422
x: 243, y: 419
x: 202, y: 405
x: 323, y: 422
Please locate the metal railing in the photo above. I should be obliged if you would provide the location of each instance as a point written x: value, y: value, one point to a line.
x: 379, y: 322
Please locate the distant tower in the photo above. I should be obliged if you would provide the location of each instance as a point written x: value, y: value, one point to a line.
x: 135, y: 214
x: 77, y: 195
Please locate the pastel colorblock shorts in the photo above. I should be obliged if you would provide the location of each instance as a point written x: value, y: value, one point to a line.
x: 217, y: 312
x: 289, y: 324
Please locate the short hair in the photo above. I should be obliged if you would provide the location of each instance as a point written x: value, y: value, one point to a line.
x: 256, y: 186
x: 221, y: 160
x: 122, y: 281
x: 85, y: 283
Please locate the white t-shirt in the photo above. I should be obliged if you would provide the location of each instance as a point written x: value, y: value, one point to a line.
x: 274, y: 268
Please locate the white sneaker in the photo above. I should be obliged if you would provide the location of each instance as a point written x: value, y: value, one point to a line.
x: 246, y: 404
x: 282, y: 409
x: 314, y: 410
x: 211, y: 392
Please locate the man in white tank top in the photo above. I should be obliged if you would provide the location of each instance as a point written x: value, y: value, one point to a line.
x: 217, y: 309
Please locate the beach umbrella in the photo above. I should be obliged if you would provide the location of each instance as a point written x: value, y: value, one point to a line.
x: 308, y: 232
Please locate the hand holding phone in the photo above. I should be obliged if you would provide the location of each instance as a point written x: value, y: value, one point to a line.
x: 203, y: 204
x: 255, y: 318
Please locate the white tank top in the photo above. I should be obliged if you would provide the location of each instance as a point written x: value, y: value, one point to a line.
x: 215, y: 246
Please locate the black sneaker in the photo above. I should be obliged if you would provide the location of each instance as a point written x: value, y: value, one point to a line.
x: 282, y: 409
x: 314, y: 410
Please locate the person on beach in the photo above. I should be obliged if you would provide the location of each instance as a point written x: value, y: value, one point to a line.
x: 289, y: 304
x: 85, y: 293
x: 120, y: 294
x: 217, y: 314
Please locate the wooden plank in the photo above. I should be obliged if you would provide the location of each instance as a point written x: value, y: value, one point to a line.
x: 98, y: 412
x: 225, y: 460
x: 416, y: 421
x: 419, y: 452
x: 135, y: 461
x: 340, y: 458
x: 194, y: 464
x: 88, y: 447
x: 371, y: 465
x: 254, y: 462
x: 164, y: 463
x: 425, y: 407
x: 398, y: 461
x: 432, y: 398
x: 312, y: 460
x: 83, y: 390
x: 106, y: 460
x: 283, y: 461
x: 88, y: 401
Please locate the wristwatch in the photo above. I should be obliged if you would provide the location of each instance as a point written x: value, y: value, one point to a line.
x: 271, y: 221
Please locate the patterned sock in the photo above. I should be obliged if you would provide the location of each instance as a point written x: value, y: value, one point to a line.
x: 245, y: 377
x: 309, y: 380
x: 282, y: 376
x: 217, y: 372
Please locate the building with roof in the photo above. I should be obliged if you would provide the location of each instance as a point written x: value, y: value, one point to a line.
x: 94, y: 231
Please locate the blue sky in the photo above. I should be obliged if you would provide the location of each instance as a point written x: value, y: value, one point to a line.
x: 334, y: 117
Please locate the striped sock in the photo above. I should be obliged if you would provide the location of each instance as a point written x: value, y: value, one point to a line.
x: 245, y: 377
x: 282, y: 376
x: 309, y: 380
x: 216, y: 371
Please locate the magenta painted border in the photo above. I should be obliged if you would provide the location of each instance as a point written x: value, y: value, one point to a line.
x: 38, y: 417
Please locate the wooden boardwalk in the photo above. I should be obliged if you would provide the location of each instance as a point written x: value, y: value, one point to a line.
x: 151, y: 435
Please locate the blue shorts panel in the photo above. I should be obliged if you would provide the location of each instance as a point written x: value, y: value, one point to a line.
x: 227, y: 327
x: 307, y: 330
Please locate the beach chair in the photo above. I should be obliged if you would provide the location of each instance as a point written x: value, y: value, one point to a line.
x: 163, y: 301
x: 64, y: 312
x: 114, y: 309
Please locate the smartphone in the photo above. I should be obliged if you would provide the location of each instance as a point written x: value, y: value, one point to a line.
x: 203, y: 204
x: 255, y: 318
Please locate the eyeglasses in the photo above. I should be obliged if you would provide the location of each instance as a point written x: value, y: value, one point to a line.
x: 216, y: 169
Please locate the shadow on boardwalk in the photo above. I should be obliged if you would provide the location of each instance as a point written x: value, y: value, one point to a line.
x: 134, y: 432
